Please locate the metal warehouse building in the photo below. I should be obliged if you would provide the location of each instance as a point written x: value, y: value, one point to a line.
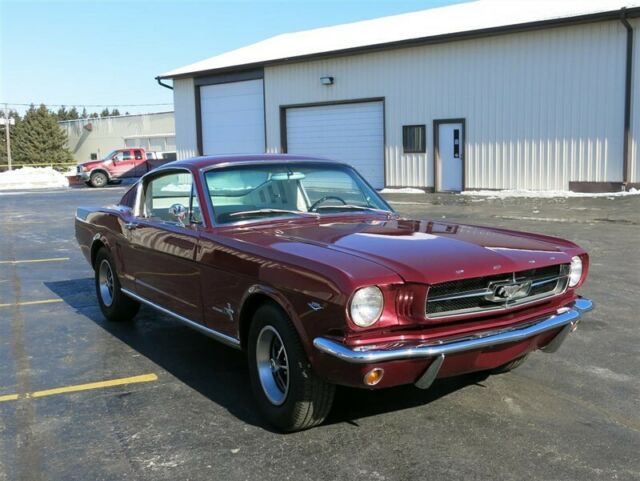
x: 482, y: 95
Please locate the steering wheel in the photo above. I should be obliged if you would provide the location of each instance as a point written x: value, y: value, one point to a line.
x: 315, y: 205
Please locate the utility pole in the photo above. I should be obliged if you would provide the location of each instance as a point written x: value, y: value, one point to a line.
x: 7, y: 122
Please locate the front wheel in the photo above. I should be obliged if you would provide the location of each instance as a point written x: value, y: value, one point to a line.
x: 98, y: 179
x: 114, y: 304
x: 288, y: 392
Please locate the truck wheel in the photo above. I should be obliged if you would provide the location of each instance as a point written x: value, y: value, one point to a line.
x: 510, y: 366
x: 114, y: 304
x: 287, y: 391
x: 98, y: 179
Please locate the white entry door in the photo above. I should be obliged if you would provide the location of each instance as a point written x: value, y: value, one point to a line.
x: 349, y: 132
x: 450, y: 156
x: 232, y: 118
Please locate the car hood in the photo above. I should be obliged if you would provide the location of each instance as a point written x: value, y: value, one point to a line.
x: 424, y: 251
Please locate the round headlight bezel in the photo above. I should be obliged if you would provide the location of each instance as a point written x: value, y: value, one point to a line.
x: 371, y: 295
x: 575, y: 271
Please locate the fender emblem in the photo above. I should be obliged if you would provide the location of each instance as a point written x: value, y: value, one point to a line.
x: 315, y: 306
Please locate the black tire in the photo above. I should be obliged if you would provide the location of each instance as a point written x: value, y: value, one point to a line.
x: 308, y: 399
x: 114, y: 304
x: 98, y: 179
x: 510, y: 366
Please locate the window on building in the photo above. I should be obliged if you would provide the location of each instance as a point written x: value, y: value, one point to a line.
x: 414, y: 139
x: 94, y: 156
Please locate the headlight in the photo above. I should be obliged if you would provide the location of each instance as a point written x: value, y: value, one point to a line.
x: 366, y: 306
x: 575, y: 271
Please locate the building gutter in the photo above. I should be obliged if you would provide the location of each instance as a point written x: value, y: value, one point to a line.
x: 167, y: 86
x: 626, y: 161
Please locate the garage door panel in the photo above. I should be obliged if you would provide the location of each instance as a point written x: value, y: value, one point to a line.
x: 352, y: 133
x: 232, y: 117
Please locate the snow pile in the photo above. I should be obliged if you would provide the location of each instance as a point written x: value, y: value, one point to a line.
x: 544, y: 194
x: 403, y: 190
x: 32, y: 178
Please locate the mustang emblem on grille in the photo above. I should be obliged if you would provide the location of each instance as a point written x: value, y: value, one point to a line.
x: 508, y: 290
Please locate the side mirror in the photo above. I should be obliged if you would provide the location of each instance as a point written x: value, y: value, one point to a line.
x: 180, y: 212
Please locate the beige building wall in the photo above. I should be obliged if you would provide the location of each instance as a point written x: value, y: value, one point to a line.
x: 99, y: 136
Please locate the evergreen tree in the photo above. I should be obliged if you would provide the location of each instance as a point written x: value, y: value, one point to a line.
x: 62, y: 113
x: 84, y: 113
x: 127, y: 113
x: 115, y: 113
x: 73, y: 114
x: 39, y: 139
x: 104, y: 113
x: 94, y: 115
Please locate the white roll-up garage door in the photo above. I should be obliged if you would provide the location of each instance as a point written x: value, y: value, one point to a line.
x: 232, y: 117
x: 352, y: 133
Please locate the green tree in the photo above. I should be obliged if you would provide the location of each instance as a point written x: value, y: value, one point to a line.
x: 73, y: 114
x: 94, y: 115
x: 39, y: 139
x: 62, y: 113
x: 115, y: 113
x: 104, y: 113
x: 84, y: 114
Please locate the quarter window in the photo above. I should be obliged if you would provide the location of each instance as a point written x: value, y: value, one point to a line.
x: 414, y: 139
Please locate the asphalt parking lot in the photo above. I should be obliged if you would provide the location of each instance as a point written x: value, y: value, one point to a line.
x: 155, y: 400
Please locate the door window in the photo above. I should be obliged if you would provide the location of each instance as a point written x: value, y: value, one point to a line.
x: 126, y: 155
x: 165, y: 191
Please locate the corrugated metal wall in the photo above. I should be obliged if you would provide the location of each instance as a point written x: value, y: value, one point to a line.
x: 542, y: 108
x: 635, y: 106
x: 184, y: 101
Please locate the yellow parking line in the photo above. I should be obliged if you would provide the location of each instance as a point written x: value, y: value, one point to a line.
x: 31, y: 303
x: 32, y: 261
x: 82, y: 387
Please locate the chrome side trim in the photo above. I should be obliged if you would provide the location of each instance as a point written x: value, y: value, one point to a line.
x: 566, y: 316
x: 218, y: 336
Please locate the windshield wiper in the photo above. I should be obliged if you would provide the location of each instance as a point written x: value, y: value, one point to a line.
x: 272, y: 211
x: 352, y: 207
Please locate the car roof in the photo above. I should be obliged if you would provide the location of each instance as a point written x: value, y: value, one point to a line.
x: 203, y: 162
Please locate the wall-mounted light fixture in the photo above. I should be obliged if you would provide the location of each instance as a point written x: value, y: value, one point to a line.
x: 326, y: 80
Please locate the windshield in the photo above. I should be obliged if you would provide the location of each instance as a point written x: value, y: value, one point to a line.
x: 275, y: 190
x: 109, y: 155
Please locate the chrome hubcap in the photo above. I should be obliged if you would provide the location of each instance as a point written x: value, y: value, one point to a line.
x: 273, y: 365
x: 105, y: 281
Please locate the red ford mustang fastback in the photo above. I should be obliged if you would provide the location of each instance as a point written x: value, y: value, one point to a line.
x: 301, y: 264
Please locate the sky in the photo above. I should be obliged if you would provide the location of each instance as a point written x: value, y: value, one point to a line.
x: 109, y: 52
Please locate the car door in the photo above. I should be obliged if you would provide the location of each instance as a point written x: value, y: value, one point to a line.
x: 161, y: 248
x: 123, y: 165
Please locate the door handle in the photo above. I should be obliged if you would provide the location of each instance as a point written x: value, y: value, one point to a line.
x: 131, y: 226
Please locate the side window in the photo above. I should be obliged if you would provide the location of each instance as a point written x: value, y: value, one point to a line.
x: 137, y: 154
x: 162, y: 192
x: 126, y: 155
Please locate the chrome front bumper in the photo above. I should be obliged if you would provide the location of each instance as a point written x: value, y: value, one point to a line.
x: 566, y: 318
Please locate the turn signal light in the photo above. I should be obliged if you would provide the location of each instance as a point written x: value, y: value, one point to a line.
x: 374, y: 376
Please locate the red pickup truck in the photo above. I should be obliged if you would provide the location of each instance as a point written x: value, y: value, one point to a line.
x: 119, y: 164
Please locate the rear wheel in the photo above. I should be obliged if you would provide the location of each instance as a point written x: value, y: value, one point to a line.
x: 288, y: 392
x: 510, y: 366
x: 114, y: 304
x: 98, y: 179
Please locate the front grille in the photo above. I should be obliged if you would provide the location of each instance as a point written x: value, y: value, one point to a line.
x: 488, y: 293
